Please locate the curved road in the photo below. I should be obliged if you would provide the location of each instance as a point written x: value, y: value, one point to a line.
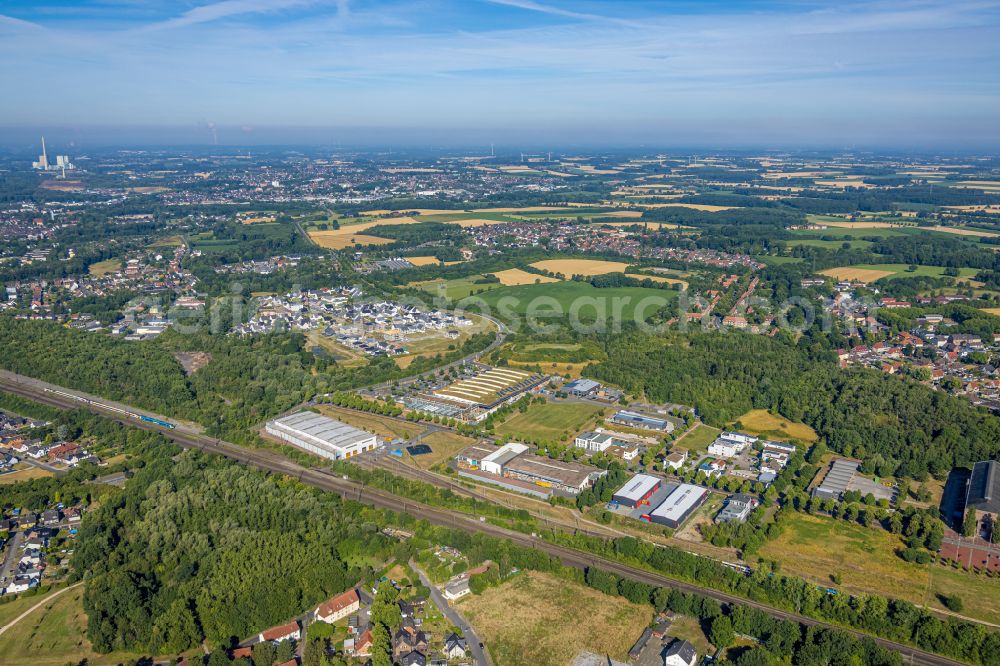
x: 272, y: 462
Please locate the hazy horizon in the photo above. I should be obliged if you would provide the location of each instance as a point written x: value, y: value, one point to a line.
x: 913, y: 75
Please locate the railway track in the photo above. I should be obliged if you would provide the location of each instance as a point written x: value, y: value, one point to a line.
x: 325, y: 480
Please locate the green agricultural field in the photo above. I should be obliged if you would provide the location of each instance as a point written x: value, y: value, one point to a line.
x: 473, y: 215
x: 553, y: 303
x: 551, y: 421
x: 816, y: 547
x: 830, y: 244
x: 457, y: 288
x: 903, y: 270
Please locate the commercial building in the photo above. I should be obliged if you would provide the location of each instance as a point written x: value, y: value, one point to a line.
x: 834, y: 485
x: 983, y: 492
x: 474, y: 398
x: 637, y: 490
x: 321, y: 435
x: 582, y: 387
x: 512, y: 466
x: 637, y: 420
x: 597, y: 441
x: 730, y: 444
x: 678, y: 506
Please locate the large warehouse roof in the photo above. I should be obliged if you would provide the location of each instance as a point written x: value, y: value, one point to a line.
x: 321, y: 430
x: 679, y: 502
x: 836, y: 480
x: 637, y: 487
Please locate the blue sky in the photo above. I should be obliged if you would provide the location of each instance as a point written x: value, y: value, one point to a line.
x: 908, y: 74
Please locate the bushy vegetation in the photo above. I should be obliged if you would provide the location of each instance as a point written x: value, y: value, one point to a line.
x: 901, y: 428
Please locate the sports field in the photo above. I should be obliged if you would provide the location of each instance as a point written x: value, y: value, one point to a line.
x: 552, y: 421
x: 539, y: 619
x: 815, y: 547
x: 588, y: 267
x: 763, y: 422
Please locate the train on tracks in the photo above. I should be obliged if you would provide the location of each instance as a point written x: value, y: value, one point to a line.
x: 111, y: 408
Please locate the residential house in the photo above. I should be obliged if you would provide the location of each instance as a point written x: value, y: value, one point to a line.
x: 455, y: 646
x: 676, y: 459
x: 284, y: 632
x: 456, y: 589
x: 680, y: 653
x: 737, y: 508
x: 408, y: 639
x: 413, y: 659
x: 338, y: 607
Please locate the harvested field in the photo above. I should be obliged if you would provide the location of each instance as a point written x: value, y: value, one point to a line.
x: 569, y: 267
x: 513, y: 277
x: 859, y: 274
x: 423, y: 261
x: 657, y: 278
x: 962, y: 231
x: 555, y: 619
x: 334, y: 240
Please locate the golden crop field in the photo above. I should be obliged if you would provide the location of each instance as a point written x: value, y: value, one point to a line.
x: 702, y: 207
x: 334, y: 241
x: 423, y: 261
x: 962, y: 231
x: 859, y: 274
x: 657, y: 278
x: 351, y: 234
x: 568, y: 267
x: 514, y: 277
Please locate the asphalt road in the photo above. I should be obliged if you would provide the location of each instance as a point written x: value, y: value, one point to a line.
x: 352, y: 490
x: 11, y: 554
x: 474, y: 642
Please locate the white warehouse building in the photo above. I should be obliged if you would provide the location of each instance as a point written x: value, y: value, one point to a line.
x: 321, y: 435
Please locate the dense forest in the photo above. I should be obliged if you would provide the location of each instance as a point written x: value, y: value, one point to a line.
x: 248, y: 379
x: 197, y: 547
x: 903, y: 428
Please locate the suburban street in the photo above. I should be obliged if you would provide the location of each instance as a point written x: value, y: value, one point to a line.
x: 480, y: 655
x: 11, y: 554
